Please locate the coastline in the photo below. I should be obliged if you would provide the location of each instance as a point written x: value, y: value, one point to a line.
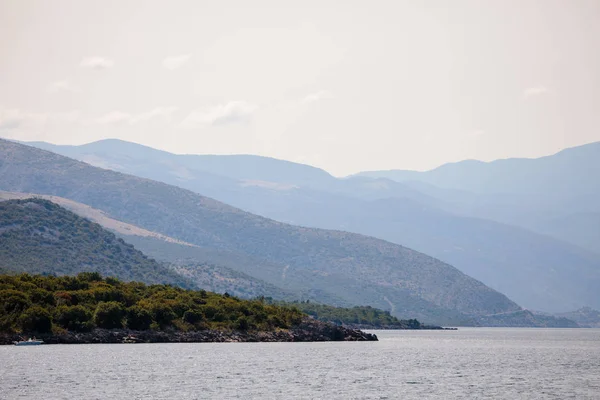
x: 395, y: 328
x: 307, y: 331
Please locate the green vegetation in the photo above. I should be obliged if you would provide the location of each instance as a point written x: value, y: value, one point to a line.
x: 355, y: 316
x: 42, y: 304
x: 40, y: 237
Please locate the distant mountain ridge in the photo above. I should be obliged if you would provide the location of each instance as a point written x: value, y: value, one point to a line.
x: 544, y: 194
x: 239, y: 166
x: 512, y: 175
x: 355, y: 268
x: 473, y: 232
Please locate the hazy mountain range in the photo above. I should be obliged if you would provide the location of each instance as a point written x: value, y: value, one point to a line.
x: 558, y: 195
x: 332, y: 266
x: 527, y: 228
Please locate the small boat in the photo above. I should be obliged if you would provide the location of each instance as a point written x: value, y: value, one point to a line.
x: 29, y: 342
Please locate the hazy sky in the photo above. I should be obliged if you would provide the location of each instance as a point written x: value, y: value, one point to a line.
x: 343, y: 85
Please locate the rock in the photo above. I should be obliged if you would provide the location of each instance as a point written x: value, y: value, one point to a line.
x: 309, y: 330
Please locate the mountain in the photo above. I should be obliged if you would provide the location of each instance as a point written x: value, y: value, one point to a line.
x: 537, y: 271
x: 179, y: 257
x: 358, y: 269
x: 126, y: 156
x: 548, y: 194
x: 227, y: 177
x: 579, y: 227
x: 585, y: 317
x: 40, y: 237
x: 569, y: 172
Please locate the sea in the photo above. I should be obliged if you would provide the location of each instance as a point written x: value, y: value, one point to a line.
x: 469, y: 363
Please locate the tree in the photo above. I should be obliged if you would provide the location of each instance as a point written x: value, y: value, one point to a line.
x: 74, y: 318
x: 109, y: 315
x: 138, y: 318
x: 89, y: 276
x: 242, y: 323
x: 162, y: 314
x: 13, y: 301
x: 35, y: 319
x: 192, y: 317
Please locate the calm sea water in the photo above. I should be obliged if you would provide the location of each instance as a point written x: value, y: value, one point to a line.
x: 472, y: 363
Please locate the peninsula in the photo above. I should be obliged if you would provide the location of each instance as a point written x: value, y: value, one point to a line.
x: 88, y: 308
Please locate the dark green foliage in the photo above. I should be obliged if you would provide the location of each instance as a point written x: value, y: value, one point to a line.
x: 138, y: 318
x: 109, y: 315
x: 35, y: 319
x: 13, y: 301
x: 242, y: 323
x: 162, y: 314
x: 192, y: 317
x: 35, y: 303
x: 74, y: 318
x: 42, y: 296
x: 38, y: 236
x: 363, y: 316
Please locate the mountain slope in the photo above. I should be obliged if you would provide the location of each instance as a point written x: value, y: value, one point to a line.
x: 227, y: 177
x: 572, y: 171
x: 40, y: 237
x: 356, y: 268
x: 126, y: 156
x: 536, y: 271
x: 212, y: 274
x: 547, y: 194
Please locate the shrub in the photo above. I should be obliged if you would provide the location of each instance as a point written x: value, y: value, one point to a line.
x: 109, y: 315
x: 242, y: 323
x: 162, y: 314
x: 36, y: 319
x: 74, y: 318
x: 192, y: 317
x: 42, y: 297
x: 13, y: 302
x: 138, y: 318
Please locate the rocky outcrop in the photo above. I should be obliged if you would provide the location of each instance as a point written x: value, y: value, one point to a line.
x: 309, y: 330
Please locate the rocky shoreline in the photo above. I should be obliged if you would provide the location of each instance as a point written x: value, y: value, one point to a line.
x: 308, y: 331
x: 396, y: 328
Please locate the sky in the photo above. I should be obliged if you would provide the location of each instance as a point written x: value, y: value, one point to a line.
x: 345, y: 86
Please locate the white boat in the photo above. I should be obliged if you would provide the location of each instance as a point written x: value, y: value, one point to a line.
x: 29, y: 342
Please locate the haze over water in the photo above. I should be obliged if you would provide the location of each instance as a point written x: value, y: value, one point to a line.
x: 468, y: 363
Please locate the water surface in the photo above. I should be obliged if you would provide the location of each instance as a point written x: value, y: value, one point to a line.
x: 472, y: 363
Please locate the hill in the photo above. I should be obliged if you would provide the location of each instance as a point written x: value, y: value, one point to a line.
x: 227, y: 277
x: 358, y: 269
x: 586, y: 317
x: 570, y: 171
x: 40, y: 237
x: 457, y: 227
x: 548, y: 194
x: 363, y: 317
x: 129, y: 157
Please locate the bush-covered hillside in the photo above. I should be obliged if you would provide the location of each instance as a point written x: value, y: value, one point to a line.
x: 363, y: 316
x: 40, y: 304
x: 40, y: 237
